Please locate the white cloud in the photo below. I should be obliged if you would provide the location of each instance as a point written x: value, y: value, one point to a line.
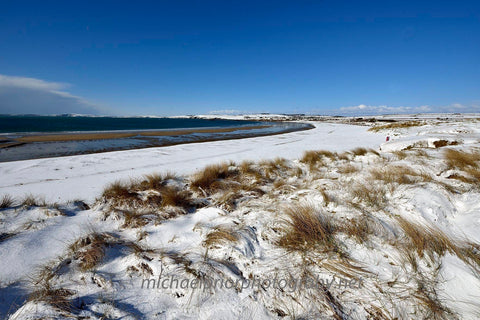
x: 458, y: 107
x: 30, y: 83
x: 363, y: 109
x: 19, y: 95
x: 226, y: 112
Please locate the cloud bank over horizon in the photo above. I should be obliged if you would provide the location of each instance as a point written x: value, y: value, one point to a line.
x: 363, y: 109
x: 23, y: 95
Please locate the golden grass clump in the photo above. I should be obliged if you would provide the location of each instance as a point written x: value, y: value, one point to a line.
x: 461, y: 160
x: 400, y: 174
x: 277, y: 163
x: 135, y: 219
x: 247, y: 168
x: 119, y: 192
x: 57, y: 298
x: 470, y: 254
x: 326, y: 197
x: 279, y: 183
x: 346, y: 156
x: 7, y: 201
x: 360, y: 151
x: 468, y: 162
x: 220, y: 235
x: 127, y: 195
x: 358, y: 228
x: 372, y: 195
x: 31, y: 201
x: 175, y: 197
x: 396, y: 125
x: 90, y: 250
x: 312, y: 158
x: 153, y: 181
x: 297, y: 172
x: 228, y: 200
x: 251, y: 172
x: 308, y: 228
x: 347, y: 169
x: 400, y: 154
x: 252, y: 187
x: 474, y: 174
x: 156, y: 181
x: 443, y: 143
x: 421, y: 153
x: 425, y: 239
x: 210, y: 177
x: 461, y: 178
x: 427, y: 297
x: 274, y: 167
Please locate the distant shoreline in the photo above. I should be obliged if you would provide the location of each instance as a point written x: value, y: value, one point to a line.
x: 48, y: 145
x: 127, y: 134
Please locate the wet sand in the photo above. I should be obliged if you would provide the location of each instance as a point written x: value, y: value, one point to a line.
x: 11, y: 144
x: 129, y: 134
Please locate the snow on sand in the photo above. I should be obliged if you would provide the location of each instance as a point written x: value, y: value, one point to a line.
x: 85, y: 176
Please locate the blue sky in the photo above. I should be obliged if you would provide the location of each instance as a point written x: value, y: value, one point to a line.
x: 193, y: 57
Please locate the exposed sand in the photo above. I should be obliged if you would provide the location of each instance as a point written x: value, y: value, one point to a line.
x: 116, y: 135
x: 11, y: 144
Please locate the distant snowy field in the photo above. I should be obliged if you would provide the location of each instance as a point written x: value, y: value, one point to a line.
x: 84, y: 176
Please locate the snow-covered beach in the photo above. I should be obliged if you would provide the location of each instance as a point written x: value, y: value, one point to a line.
x: 83, y: 177
x: 384, y: 230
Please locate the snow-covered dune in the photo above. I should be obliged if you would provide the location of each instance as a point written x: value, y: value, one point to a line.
x: 339, y: 232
